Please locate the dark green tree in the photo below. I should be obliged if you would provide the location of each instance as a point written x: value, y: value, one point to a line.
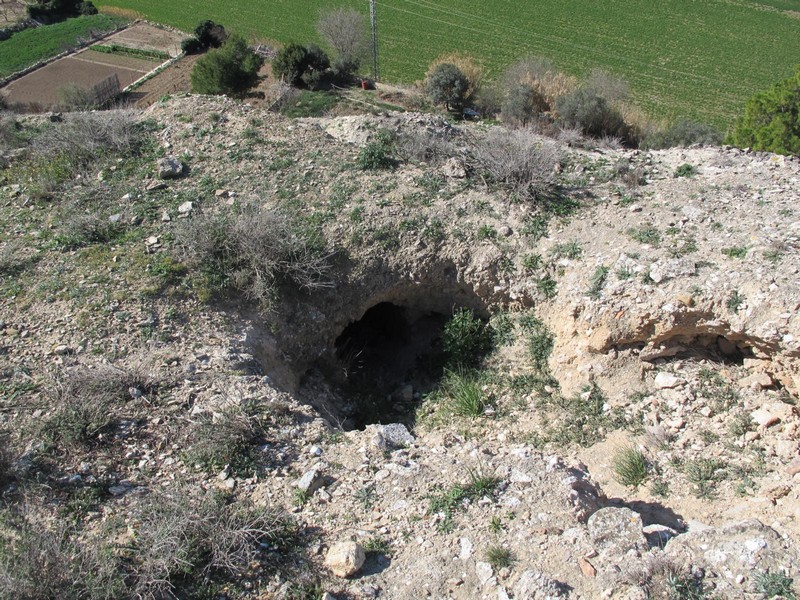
x: 231, y: 69
x: 301, y: 65
x: 448, y: 85
x: 771, y: 120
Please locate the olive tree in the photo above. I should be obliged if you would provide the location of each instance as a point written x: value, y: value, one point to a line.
x: 448, y: 85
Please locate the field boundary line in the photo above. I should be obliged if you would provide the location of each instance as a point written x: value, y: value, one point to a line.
x: 152, y: 73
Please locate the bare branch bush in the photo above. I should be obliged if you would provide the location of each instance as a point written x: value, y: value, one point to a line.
x: 345, y: 31
x: 518, y: 160
x: 88, y: 401
x: 423, y: 146
x: 38, y: 561
x: 179, y: 533
x: 253, y: 252
x: 84, y: 136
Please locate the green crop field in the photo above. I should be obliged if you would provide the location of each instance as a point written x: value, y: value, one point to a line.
x: 29, y: 46
x: 683, y: 58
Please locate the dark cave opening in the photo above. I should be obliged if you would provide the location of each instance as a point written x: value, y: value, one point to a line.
x: 387, y: 360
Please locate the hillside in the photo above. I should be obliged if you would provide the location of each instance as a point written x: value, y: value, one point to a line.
x: 230, y: 341
x: 698, y: 60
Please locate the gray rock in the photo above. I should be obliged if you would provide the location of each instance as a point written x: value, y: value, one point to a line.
x: 582, y: 492
x: 454, y: 169
x: 615, y: 531
x: 395, y: 435
x: 345, y: 558
x: 170, y: 168
x: 185, y: 208
x: 533, y: 585
x: 735, y: 552
x: 310, y: 481
x: 672, y: 268
x: 665, y: 381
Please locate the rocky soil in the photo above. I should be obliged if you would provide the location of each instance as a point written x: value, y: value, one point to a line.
x: 653, y: 308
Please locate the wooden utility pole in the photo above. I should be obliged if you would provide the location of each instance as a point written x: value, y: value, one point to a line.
x: 373, y: 17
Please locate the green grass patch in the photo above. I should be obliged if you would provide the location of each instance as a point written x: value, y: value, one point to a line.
x: 137, y: 52
x: 699, y: 60
x: 311, y: 104
x: 29, y: 46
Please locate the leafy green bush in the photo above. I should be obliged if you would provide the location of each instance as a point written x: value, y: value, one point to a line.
x: 50, y: 11
x: 447, y: 85
x: 771, y: 120
x: 587, y: 110
x: 301, y: 65
x: 466, y: 339
x: 231, y: 69
x: 376, y: 154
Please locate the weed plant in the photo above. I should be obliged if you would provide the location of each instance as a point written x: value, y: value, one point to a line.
x: 631, y: 467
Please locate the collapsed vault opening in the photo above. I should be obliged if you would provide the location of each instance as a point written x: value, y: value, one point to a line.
x: 387, y: 360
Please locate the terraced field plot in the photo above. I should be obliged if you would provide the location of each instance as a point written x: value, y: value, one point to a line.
x: 39, y: 90
x: 682, y: 58
x: 28, y: 47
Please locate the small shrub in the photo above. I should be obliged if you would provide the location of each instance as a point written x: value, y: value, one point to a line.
x: 735, y: 301
x: 735, y: 252
x: 295, y: 64
x: 541, y: 75
x: 448, y: 86
x: 191, y: 45
x: 662, y: 578
x: 597, y: 281
x: 471, y: 69
x: 646, y: 234
x: 180, y: 536
x: 228, y: 439
x: 631, y: 467
x: 704, y: 473
x: 38, y: 560
x: 547, y: 286
x: 583, y: 418
x: 378, y: 545
x: 253, y: 251
x: 499, y: 557
x: 775, y: 584
x: 423, y: 146
x: 685, y: 170
x: 447, y: 501
x: 592, y: 114
x: 570, y: 250
x: 465, y: 394
x: 682, y: 134
x: 88, y: 401
x: 520, y: 161
x: 466, y: 339
x: 377, y: 154
x: 210, y: 34
x: 539, y: 341
x: 742, y: 423
x: 522, y: 105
